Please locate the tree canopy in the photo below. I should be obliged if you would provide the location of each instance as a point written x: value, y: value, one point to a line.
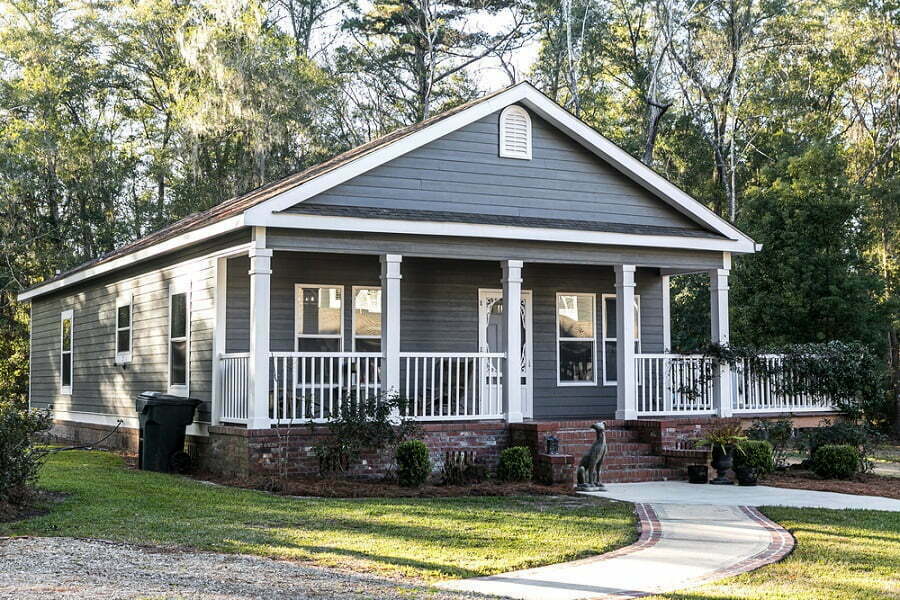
x: 120, y: 116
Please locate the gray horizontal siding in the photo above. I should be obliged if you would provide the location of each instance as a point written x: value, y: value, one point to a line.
x: 101, y: 386
x: 439, y: 311
x: 463, y: 172
x: 428, y: 246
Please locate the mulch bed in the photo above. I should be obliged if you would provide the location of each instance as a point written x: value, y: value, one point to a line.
x: 864, y: 484
x: 362, y: 488
x: 37, y: 504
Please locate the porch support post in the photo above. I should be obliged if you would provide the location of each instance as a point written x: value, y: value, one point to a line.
x: 719, y: 330
x: 626, y: 386
x: 512, y: 326
x: 221, y: 278
x: 260, y: 304
x: 666, y: 314
x: 390, y: 321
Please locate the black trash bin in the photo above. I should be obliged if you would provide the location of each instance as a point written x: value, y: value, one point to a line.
x: 163, y: 419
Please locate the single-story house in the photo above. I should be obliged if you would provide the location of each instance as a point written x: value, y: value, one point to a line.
x: 391, y: 269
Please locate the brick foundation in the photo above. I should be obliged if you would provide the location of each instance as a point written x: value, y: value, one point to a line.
x: 235, y: 451
x: 637, y: 450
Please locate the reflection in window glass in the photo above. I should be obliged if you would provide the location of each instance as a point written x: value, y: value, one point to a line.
x: 178, y: 339
x: 609, y: 336
x: 576, y: 337
x: 318, y: 317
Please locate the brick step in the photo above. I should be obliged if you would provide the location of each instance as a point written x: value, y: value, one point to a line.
x: 642, y: 474
x: 625, y: 462
x: 629, y: 449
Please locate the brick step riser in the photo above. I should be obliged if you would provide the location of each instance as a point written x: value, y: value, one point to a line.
x: 640, y: 475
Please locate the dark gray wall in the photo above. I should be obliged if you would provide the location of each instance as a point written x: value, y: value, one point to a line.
x: 100, y: 386
x: 439, y: 311
x: 463, y: 172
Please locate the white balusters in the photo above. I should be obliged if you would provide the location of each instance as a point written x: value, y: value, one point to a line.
x: 450, y: 386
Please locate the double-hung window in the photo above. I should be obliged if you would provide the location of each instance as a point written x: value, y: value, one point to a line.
x: 576, y: 339
x: 318, y: 318
x: 179, y: 339
x: 609, y: 335
x: 66, y: 333
x: 366, y: 319
x: 123, y: 330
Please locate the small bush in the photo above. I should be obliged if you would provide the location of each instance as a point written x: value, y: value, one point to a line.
x: 413, y: 463
x: 862, y: 437
x: 833, y: 461
x: 461, y: 468
x: 778, y: 433
x: 20, y: 459
x: 515, y: 464
x: 756, y: 454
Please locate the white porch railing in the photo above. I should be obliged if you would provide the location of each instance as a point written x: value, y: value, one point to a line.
x: 767, y: 388
x: 674, y: 384
x: 449, y: 385
x: 678, y: 384
x: 235, y: 382
x: 311, y: 386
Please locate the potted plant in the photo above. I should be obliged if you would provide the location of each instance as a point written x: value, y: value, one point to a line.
x: 722, y: 440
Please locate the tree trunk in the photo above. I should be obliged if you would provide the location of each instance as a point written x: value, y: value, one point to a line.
x: 655, y: 112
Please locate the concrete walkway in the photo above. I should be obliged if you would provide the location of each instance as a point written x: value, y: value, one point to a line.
x: 681, y: 492
x: 680, y: 546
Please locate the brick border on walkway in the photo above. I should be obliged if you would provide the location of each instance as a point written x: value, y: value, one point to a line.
x: 781, y: 544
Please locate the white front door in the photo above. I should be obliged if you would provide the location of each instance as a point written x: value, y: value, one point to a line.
x: 491, y: 338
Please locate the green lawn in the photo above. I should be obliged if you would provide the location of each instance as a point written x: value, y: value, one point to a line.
x: 424, y: 538
x: 840, y: 555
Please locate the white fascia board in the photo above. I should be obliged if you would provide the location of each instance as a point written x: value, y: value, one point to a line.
x: 508, y: 232
x: 172, y: 244
x: 546, y: 108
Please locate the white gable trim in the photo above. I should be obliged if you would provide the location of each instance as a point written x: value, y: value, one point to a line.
x: 507, y: 232
x: 186, y: 239
x: 529, y: 96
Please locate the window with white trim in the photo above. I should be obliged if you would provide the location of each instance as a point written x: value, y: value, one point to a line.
x: 366, y: 319
x: 123, y: 330
x: 576, y: 339
x: 319, y: 318
x: 515, y: 133
x: 609, y: 335
x: 66, y: 349
x: 179, y: 339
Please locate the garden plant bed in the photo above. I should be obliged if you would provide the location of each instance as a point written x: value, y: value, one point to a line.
x: 863, y: 484
x: 363, y: 488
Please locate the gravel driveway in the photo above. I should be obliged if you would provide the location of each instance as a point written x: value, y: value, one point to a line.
x: 44, y: 568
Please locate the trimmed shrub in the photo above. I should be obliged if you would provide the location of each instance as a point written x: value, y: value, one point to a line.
x: 413, y: 463
x: 833, y: 461
x: 756, y: 454
x: 862, y: 437
x: 515, y: 464
x: 20, y: 459
x: 778, y: 433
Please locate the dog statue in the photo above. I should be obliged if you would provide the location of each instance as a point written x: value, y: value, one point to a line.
x: 592, y: 463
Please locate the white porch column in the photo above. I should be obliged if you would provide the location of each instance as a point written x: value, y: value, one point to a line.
x: 626, y: 387
x: 221, y: 300
x: 667, y: 313
x: 719, y: 334
x: 512, y: 326
x: 390, y: 321
x: 260, y: 278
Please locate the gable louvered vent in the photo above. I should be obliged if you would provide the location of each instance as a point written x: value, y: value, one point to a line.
x: 515, y: 133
